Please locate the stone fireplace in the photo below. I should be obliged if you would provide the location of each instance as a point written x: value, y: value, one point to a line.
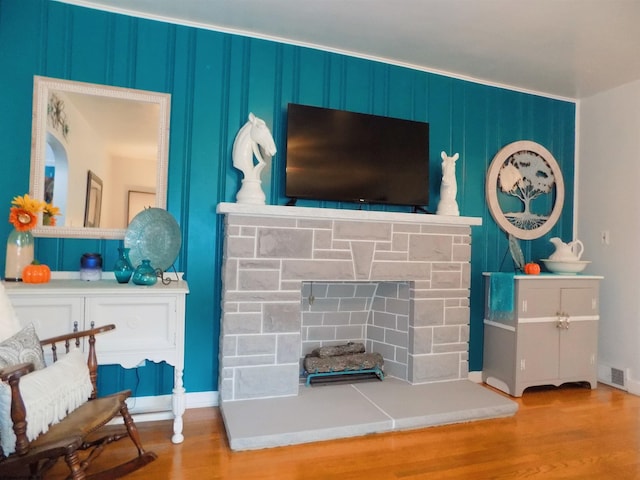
x: 295, y: 278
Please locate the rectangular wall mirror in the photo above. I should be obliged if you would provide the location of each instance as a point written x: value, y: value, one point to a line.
x: 82, y: 132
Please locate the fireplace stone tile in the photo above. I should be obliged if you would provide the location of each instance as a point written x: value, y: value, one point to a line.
x: 281, y: 318
x: 322, y: 239
x: 242, y: 323
x: 249, y: 361
x: 315, y: 224
x: 251, y: 280
x: 450, y: 347
x: 353, y: 304
x: 400, y: 242
x: 361, y: 230
x: 384, y: 320
x: 362, y: 257
x: 351, y: 332
x: 430, y: 248
x: 256, y: 344
x: 420, y: 340
x: 315, y: 334
x: 446, y: 335
x: 336, y: 318
x: 395, y: 369
x: 263, y: 296
x: 331, y: 254
x: 266, y: 381
x: 446, y: 280
x: 391, y: 256
x: 433, y: 368
x: 375, y: 333
x: 230, y: 275
x: 406, y: 271
x: 397, y: 338
x: 461, y: 253
x: 457, y: 316
x: 406, y: 227
x: 341, y: 290
x: 428, y: 312
x: 263, y: 221
x: 241, y: 247
x: 314, y: 270
x: 288, y: 348
x: 284, y: 243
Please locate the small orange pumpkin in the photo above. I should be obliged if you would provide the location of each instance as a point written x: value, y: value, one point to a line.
x: 532, y: 268
x: 36, y: 273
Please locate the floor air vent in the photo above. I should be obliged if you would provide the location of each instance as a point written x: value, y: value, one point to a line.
x: 617, y: 377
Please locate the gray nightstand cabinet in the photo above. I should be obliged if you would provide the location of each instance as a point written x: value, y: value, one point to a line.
x: 552, y: 337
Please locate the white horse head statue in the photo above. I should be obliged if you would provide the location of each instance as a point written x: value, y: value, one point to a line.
x: 254, y: 138
x: 449, y: 186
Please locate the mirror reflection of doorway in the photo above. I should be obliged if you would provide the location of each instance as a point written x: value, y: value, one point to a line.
x: 56, y: 182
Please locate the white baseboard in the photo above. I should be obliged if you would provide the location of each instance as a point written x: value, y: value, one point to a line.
x: 632, y: 384
x: 475, y: 377
x: 147, y: 409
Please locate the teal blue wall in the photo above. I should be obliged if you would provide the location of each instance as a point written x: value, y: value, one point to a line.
x: 215, y: 80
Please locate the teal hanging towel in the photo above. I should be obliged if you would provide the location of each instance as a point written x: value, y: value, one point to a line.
x: 501, y: 293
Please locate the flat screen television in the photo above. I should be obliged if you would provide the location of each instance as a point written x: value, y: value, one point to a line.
x: 344, y: 156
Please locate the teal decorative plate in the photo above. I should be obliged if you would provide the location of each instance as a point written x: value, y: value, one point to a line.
x: 153, y: 234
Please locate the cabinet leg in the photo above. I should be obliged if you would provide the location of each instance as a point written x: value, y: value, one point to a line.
x: 178, y: 401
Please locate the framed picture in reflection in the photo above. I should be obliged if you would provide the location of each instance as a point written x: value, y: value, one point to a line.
x: 93, y: 204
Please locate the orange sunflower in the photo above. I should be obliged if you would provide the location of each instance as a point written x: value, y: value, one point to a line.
x: 23, y: 215
x: 49, y: 213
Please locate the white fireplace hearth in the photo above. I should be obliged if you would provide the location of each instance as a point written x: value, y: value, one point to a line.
x: 403, y: 283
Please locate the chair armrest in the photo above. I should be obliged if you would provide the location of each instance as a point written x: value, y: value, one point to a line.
x: 15, y: 371
x: 77, y: 335
x: 11, y: 375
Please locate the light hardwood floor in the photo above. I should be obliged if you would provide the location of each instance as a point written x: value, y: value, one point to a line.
x: 558, y: 433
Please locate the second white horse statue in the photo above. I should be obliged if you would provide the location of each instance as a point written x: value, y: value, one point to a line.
x: 252, y: 139
x: 449, y: 186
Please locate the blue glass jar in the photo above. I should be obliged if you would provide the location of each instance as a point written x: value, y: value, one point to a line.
x: 91, y: 267
x: 123, y: 269
x: 145, y: 274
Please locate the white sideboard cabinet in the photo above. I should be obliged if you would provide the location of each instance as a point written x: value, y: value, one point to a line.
x: 551, y: 337
x: 150, y: 322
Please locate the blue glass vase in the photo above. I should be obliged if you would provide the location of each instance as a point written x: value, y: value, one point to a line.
x: 145, y: 274
x: 123, y: 269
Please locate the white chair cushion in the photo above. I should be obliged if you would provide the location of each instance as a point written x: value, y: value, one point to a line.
x: 49, y: 395
x: 9, y: 323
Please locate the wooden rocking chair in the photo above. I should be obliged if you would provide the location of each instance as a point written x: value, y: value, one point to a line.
x: 78, y: 437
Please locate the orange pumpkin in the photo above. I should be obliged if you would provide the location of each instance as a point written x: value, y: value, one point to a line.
x: 36, y: 273
x: 532, y: 268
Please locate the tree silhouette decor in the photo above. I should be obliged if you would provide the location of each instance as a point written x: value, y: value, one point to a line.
x: 525, y: 171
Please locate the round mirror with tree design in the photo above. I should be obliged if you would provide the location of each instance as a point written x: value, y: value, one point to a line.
x: 525, y: 190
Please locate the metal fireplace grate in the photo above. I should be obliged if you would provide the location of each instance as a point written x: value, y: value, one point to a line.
x: 342, y: 363
x: 344, y: 376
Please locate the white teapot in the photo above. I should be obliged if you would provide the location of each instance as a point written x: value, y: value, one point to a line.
x: 566, y: 252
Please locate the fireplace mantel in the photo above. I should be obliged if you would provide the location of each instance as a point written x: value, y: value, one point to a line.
x: 343, y: 214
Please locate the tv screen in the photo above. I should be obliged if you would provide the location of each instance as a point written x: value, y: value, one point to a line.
x: 354, y: 157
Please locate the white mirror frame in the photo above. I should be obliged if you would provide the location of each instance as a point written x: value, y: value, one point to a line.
x: 41, y: 91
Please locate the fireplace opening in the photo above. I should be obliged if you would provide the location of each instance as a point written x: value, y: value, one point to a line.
x: 342, y: 363
x: 354, y: 331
